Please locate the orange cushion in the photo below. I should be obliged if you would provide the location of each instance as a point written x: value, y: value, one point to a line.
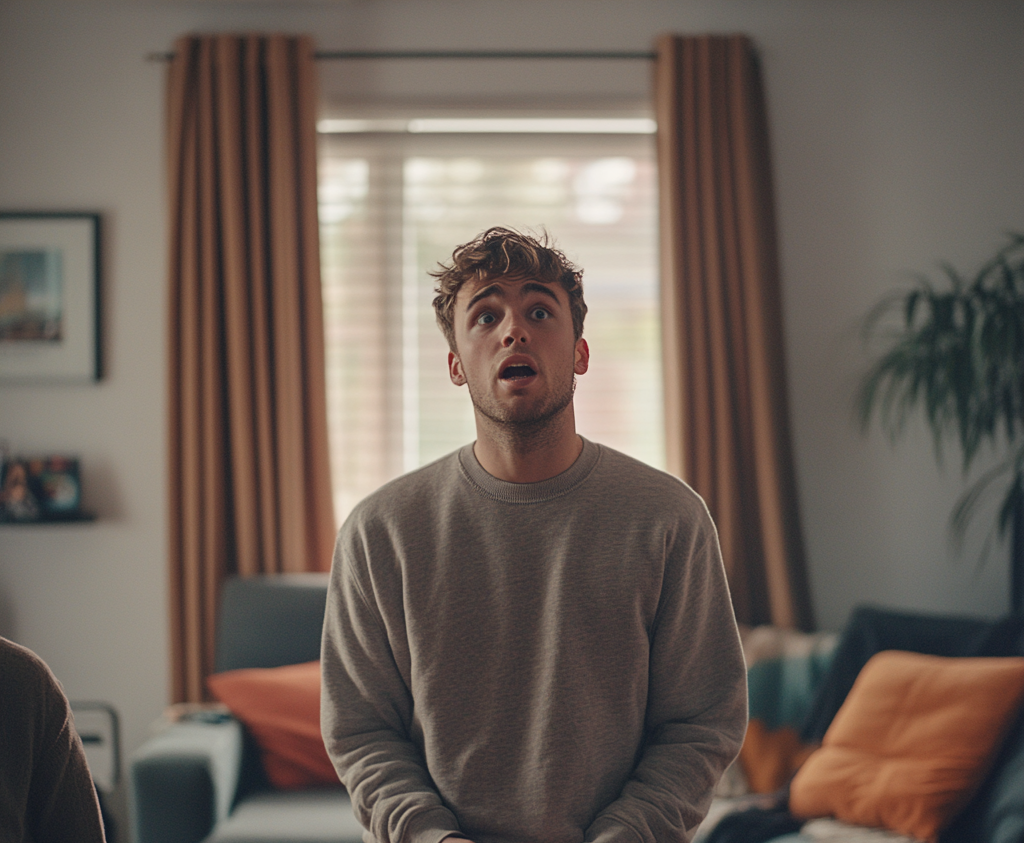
x: 280, y: 706
x: 769, y: 757
x: 912, y: 742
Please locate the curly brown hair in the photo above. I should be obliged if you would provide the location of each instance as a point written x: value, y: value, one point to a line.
x: 506, y: 253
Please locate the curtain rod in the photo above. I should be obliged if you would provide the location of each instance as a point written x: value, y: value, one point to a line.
x: 339, y: 55
x: 331, y: 55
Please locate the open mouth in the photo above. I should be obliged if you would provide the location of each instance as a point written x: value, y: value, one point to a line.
x: 516, y: 372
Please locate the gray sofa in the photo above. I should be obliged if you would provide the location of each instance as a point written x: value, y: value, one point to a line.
x: 807, y: 685
x: 200, y: 778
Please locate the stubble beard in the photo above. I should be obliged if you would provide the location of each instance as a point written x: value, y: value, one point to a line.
x: 525, y: 426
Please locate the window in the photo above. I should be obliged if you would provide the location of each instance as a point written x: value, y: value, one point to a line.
x: 396, y: 197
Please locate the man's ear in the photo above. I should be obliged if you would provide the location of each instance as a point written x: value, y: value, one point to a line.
x: 455, y: 369
x: 582, y: 360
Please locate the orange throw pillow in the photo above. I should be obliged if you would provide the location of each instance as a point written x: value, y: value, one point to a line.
x: 769, y: 757
x: 912, y: 742
x: 280, y: 706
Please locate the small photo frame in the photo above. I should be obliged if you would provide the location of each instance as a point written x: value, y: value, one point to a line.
x: 40, y: 489
x: 49, y: 297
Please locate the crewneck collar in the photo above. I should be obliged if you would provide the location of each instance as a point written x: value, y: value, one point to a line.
x: 545, y: 490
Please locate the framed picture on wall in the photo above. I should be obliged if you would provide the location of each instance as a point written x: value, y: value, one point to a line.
x: 49, y: 297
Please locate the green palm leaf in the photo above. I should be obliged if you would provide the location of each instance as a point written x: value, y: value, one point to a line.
x: 954, y: 351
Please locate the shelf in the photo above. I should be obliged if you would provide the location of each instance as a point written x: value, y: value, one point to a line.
x: 79, y: 517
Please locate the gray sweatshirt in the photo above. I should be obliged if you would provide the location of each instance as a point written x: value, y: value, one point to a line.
x: 548, y: 662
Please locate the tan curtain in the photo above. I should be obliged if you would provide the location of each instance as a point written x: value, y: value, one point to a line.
x: 249, y: 470
x: 725, y: 394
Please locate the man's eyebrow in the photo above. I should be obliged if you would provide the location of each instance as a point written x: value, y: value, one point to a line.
x: 498, y: 290
x: 490, y: 290
x: 545, y: 289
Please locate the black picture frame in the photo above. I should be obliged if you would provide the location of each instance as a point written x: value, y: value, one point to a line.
x: 50, y: 266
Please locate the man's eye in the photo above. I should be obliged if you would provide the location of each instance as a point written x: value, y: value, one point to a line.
x: 540, y: 313
x: 485, y: 319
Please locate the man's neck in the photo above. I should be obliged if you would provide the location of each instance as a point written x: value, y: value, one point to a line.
x: 527, y: 453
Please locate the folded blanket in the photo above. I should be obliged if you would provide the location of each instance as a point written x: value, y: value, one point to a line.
x: 784, y: 670
x: 754, y: 825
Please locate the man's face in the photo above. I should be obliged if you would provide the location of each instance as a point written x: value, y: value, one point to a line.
x: 515, y: 349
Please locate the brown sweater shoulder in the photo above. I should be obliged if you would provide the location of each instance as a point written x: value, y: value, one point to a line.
x: 46, y: 790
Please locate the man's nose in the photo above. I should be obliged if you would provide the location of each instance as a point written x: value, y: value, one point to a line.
x: 515, y: 332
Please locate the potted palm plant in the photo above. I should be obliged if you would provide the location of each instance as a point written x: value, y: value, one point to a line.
x: 955, y: 351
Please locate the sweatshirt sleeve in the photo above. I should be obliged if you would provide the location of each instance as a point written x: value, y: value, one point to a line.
x: 63, y: 804
x: 366, y: 713
x: 46, y: 790
x: 697, y: 702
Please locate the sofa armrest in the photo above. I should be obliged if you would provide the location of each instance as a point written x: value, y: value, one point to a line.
x: 184, y: 780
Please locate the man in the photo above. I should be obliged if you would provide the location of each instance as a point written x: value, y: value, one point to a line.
x: 530, y: 640
x: 46, y: 790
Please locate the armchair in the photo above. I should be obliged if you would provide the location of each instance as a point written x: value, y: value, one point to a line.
x: 202, y: 779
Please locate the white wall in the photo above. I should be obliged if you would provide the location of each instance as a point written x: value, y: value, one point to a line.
x: 897, y: 133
